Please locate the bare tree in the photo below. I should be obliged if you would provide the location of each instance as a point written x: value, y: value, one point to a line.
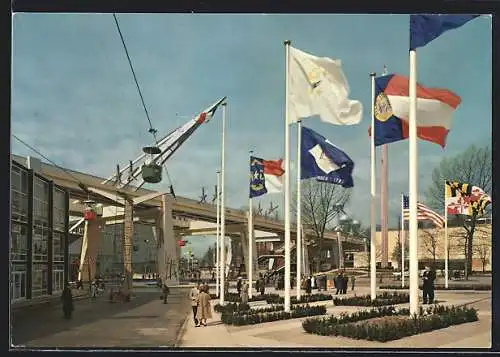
x: 430, y: 243
x: 397, y: 253
x: 473, y: 166
x: 483, y: 247
x: 322, y: 203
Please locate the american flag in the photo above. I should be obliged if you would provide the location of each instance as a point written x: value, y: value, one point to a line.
x: 424, y: 213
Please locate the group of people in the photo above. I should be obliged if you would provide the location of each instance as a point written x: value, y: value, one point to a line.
x: 200, y: 302
x: 341, y: 282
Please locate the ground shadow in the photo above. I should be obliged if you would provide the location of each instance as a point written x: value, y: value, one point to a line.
x: 33, y: 323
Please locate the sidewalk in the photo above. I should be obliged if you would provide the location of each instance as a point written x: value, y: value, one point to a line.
x: 289, y: 333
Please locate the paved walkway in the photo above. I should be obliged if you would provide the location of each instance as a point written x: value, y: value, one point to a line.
x: 289, y: 333
x: 143, y: 322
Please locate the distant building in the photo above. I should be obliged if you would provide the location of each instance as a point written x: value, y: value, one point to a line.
x: 431, y: 246
x: 39, y: 234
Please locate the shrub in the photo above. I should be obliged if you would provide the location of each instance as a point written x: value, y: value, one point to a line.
x: 432, y: 318
x: 255, y: 316
x: 381, y: 300
x: 476, y: 287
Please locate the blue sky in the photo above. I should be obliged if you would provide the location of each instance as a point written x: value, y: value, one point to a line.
x: 73, y: 95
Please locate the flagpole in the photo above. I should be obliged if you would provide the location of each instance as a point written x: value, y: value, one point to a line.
x: 413, y: 159
x: 287, y: 183
x: 298, y: 244
x: 250, y: 244
x: 446, y: 277
x: 217, y: 267
x: 223, y: 207
x: 384, y: 199
x: 373, y: 191
x: 403, y: 238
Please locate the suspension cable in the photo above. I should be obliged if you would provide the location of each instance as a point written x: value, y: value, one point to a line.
x: 46, y: 158
x: 151, y: 130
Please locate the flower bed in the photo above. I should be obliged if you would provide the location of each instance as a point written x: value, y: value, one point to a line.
x: 477, y: 287
x: 389, y: 324
x: 383, y: 299
x: 257, y: 317
x: 303, y: 299
x: 231, y: 307
x: 234, y: 297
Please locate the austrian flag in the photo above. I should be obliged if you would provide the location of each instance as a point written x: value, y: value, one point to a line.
x: 266, y: 176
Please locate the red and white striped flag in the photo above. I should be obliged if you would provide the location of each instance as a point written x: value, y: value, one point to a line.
x: 424, y: 213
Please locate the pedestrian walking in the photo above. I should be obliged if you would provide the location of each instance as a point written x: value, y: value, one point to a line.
x: 238, y: 285
x: 262, y: 285
x: 353, y: 282
x: 67, y: 301
x: 428, y: 277
x: 244, y: 293
x: 338, y: 283
x: 308, y: 286
x: 204, y: 311
x: 313, y: 283
x: 194, y: 294
x: 345, y: 283
x: 166, y: 291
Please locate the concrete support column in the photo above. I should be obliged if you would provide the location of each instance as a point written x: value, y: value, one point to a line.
x: 168, y: 249
x: 93, y: 239
x: 128, y: 239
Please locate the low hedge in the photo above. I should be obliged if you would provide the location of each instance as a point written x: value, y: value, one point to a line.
x: 383, y: 299
x: 320, y: 326
x: 433, y: 318
x: 257, y: 317
x: 234, y: 297
x: 231, y: 307
x: 477, y: 287
x: 275, y: 298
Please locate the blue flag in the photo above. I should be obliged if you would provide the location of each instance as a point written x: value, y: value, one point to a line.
x: 324, y: 161
x: 257, y: 179
x: 425, y: 28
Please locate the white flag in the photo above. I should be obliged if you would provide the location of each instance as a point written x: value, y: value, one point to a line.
x: 317, y: 86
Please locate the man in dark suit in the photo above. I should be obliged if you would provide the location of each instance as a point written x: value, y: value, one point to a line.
x: 429, y: 276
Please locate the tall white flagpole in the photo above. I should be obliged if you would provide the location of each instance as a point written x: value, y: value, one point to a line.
x: 250, y: 244
x: 250, y: 248
x: 384, y: 199
x: 298, y: 244
x: 373, y: 191
x: 403, y: 238
x: 223, y: 207
x: 287, y: 183
x: 217, y: 267
x: 446, y: 277
x: 413, y: 159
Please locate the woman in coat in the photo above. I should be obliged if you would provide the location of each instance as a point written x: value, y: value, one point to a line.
x: 244, y: 293
x: 204, y: 311
x: 67, y: 301
x: 308, y: 286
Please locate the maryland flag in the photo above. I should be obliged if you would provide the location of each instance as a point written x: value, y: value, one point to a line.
x: 463, y: 198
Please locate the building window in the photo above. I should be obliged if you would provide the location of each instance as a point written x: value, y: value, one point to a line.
x: 58, y: 247
x: 57, y: 278
x: 40, y: 202
x: 19, y: 194
x: 40, y: 244
x: 18, y: 282
x: 59, y: 212
x: 40, y: 280
x: 19, y: 242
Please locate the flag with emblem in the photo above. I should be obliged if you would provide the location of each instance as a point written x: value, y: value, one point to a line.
x: 324, y: 161
x: 318, y: 87
x: 466, y: 199
x: 435, y: 108
x: 266, y: 176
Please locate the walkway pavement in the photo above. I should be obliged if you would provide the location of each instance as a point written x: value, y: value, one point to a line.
x: 289, y: 333
x: 143, y: 322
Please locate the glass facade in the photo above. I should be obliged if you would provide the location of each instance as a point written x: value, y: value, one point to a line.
x: 39, y: 234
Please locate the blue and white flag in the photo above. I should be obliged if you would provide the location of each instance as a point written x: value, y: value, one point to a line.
x: 425, y: 28
x: 324, y: 161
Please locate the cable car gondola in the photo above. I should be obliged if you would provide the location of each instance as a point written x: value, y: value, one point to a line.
x: 151, y: 172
